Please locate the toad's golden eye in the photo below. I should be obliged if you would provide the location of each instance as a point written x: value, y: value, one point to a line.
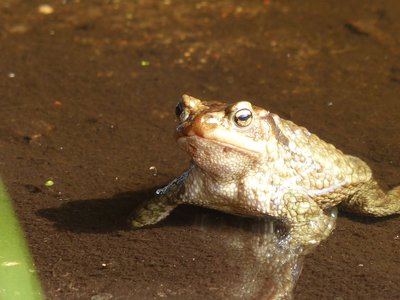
x: 243, y: 117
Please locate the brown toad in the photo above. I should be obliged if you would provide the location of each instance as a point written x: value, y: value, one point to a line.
x: 250, y: 162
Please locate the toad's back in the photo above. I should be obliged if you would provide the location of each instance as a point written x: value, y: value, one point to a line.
x: 321, y: 169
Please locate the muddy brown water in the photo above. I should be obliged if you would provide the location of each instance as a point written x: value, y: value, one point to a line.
x: 87, y: 96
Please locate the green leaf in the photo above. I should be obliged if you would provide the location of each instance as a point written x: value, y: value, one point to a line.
x: 18, y: 278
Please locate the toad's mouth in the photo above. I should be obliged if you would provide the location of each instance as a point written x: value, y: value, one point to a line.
x: 225, y: 140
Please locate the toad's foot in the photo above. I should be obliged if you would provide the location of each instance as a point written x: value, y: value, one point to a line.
x: 310, y: 232
x: 309, y: 224
x: 369, y: 199
x: 154, y: 210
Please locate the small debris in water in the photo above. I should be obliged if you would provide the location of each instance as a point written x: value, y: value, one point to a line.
x: 161, y: 294
x: 18, y: 28
x: 330, y: 103
x: 49, y: 183
x: 45, y: 9
x: 361, y: 265
x: 144, y: 63
x: 11, y: 75
x: 154, y: 169
x: 102, y: 296
x: 370, y: 28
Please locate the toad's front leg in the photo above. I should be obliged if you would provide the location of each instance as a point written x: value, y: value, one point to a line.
x: 309, y: 224
x: 158, y: 208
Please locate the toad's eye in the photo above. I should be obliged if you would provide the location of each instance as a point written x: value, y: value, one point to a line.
x: 181, y: 113
x: 179, y: 109
x: 243, y: 117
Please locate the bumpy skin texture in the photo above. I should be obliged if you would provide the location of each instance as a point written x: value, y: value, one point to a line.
x: 250, y: 162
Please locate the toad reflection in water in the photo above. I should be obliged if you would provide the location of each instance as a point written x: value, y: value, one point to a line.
x: 250, y: 162
x: 258, y: 262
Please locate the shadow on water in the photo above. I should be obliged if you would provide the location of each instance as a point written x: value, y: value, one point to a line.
x: 269, y: 266
x: 96, y: 215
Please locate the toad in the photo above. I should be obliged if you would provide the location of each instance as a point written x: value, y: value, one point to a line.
x: 248, y: 161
